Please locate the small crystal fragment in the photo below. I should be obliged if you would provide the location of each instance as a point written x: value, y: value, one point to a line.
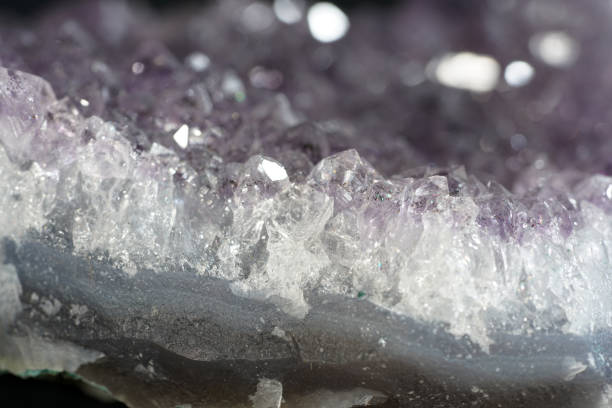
x: 273, y: 170
x: 269, y: 394
x: 181, y: 136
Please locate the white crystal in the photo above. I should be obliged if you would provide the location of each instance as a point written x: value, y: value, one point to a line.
x: 467, y: 70
x: 24, y: 99
x: 269, y: 394
x: 572, y: 368
x: 327, y: 23
x: 198, y: 61
x: 518, y: 73
x: 555, y: 48
x: 273, y: 170
x: 181, y: 136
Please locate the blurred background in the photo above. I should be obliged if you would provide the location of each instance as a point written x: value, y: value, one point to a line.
x: 32, y: 7
x: 515, y: 90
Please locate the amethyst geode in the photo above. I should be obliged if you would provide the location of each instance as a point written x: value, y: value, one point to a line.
x: 214, y: 209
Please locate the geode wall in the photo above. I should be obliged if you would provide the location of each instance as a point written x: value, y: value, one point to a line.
x: 253, y: 204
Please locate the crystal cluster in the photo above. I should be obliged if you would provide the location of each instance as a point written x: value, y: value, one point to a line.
x: 180, y: 196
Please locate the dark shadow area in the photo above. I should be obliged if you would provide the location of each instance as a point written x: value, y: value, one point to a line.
x: 32, y: 7
x: 50, y: 391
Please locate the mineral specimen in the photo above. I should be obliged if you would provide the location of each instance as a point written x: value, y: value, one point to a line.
x: 261, y: 206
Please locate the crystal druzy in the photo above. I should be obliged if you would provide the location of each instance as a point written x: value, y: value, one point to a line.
x: 265, y: 205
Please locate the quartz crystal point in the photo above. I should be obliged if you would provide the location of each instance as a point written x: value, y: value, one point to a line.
x: 192, y: 217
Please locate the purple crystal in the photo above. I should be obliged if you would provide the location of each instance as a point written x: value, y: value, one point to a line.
x: 213, y: 208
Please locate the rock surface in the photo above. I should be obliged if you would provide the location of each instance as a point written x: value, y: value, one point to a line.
x: 415, y: 213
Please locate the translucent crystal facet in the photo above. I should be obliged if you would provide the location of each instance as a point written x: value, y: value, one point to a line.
x: 348, y: 221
